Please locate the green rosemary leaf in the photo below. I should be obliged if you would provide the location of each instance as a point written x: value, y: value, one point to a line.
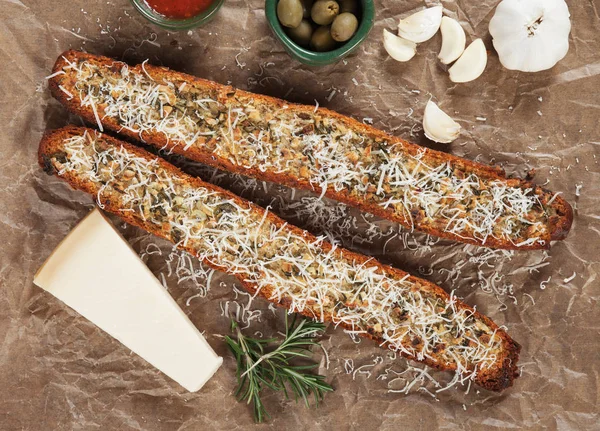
x: 260, y: 364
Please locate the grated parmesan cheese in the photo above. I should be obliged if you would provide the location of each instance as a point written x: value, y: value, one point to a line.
x: 305, y: 272
x: 329, y: 155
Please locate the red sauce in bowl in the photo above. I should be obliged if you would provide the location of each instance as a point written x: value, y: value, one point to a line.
x: 179, y: 9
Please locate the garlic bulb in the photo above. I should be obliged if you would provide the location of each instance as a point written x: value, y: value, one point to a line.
x: 531, y: 35
x: 421, y: 26
x: 471, y: 63
x: 453, y: 40
x: 438, y: 125
x: 398, y: 48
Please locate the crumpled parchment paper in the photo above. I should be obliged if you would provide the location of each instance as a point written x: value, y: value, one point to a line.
x: 59, y: 372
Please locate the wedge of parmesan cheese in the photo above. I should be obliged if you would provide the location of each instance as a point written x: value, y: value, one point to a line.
x: 95, y: 272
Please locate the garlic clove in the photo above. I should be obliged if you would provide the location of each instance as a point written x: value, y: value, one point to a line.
x: 453, y: 40
x: 531, y: 36
x: 471, y: 63
x: 398, y: 48
x: 438, y: 125
x: 421, y: 26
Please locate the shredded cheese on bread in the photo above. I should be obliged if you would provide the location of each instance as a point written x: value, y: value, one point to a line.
x: 273, y: 140
x: 283, y: 263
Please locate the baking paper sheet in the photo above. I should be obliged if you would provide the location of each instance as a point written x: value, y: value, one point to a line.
x: 59, y: 372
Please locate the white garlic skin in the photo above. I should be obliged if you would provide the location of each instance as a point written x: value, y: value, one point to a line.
x: 438, y: 125
x: 453, y: 40
x: 421, y: 26
x: 471, y: 63
x: 398, y: 48
x: 532, y: 35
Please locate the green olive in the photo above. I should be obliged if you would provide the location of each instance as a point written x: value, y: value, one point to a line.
x: 289, y: 13
x: 324, y: 11
x: 321, y: 39
x: 349, y: 6
x: 344, y: 26
x: 306, y: 6
x: 301, y: 34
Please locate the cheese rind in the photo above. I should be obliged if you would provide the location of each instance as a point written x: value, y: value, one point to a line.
x: 96, y: 272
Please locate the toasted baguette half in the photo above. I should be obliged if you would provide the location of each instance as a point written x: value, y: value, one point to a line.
x: 315, y: 149
x: 284, y: 264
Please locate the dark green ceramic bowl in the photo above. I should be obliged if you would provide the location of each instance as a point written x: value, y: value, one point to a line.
x: 313, y: 58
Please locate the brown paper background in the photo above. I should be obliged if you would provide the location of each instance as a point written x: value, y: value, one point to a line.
x: 59, y: 372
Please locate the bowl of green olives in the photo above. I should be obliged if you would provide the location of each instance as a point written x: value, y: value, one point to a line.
x: 320, y: 32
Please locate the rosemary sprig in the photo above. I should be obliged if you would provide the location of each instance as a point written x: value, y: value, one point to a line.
x: 257, y: 367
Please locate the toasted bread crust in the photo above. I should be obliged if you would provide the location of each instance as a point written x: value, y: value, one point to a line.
x: 558, y: 224
x: 497, y: 377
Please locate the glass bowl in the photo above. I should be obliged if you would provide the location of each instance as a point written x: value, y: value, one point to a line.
x: 173, y: 23
x: 314, y: 58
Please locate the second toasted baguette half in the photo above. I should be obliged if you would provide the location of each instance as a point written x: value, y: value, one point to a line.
x: 283, y: 263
